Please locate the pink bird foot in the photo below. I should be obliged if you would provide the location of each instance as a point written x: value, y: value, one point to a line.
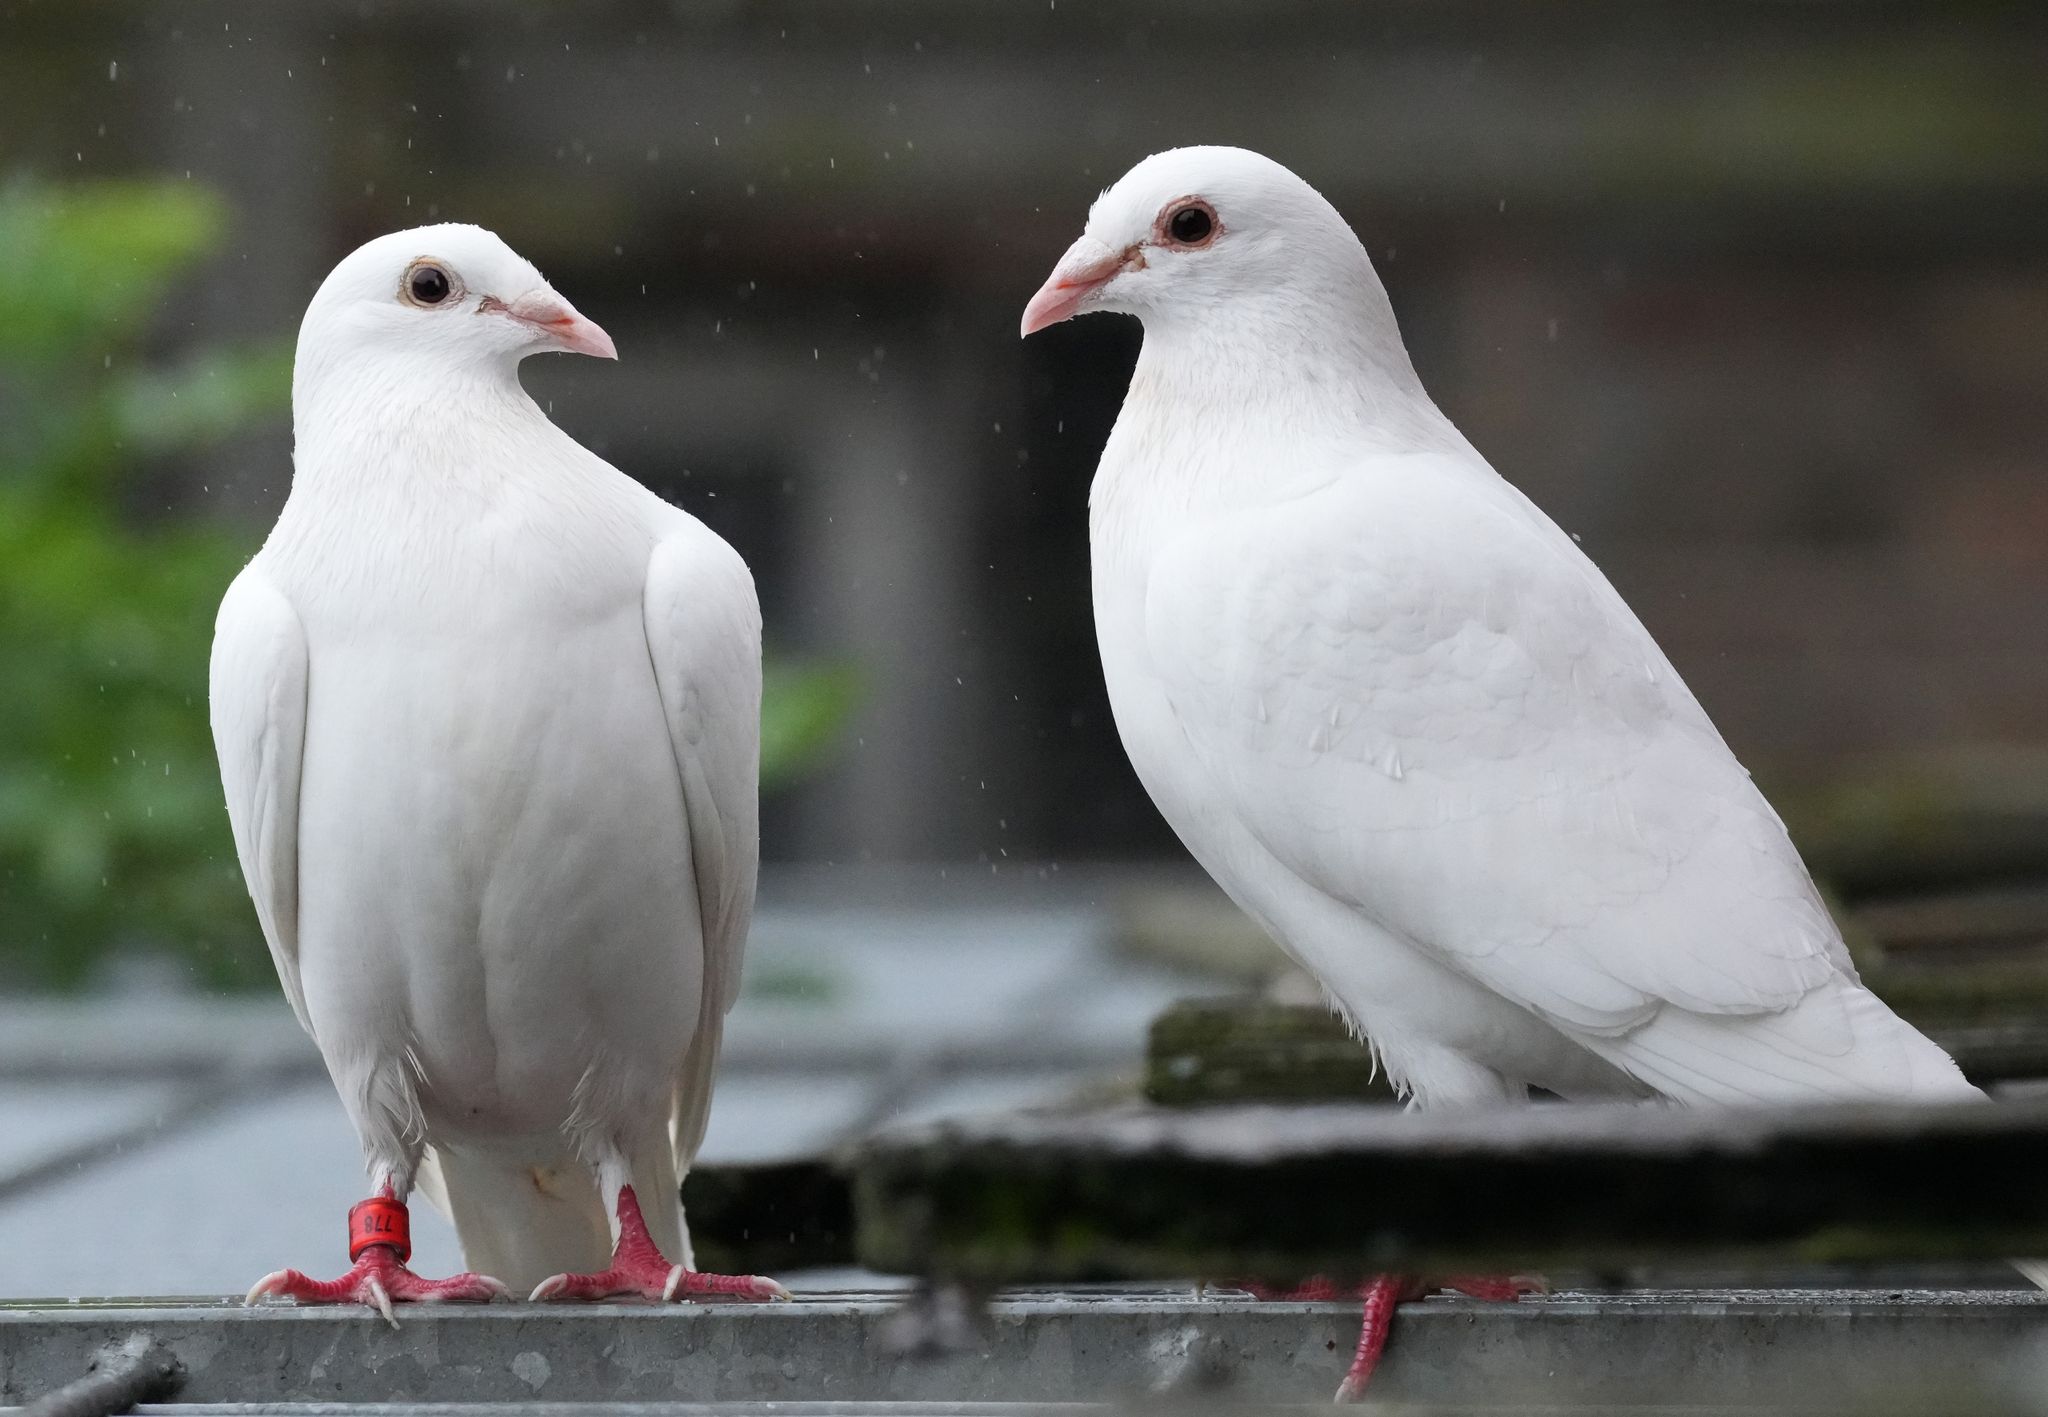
x: 1382, y: 1295
x: 380, y: 1242
x: 640, y: 1269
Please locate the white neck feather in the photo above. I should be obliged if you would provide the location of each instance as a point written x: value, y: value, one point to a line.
x: 395, y: 418
x: 1256, y: 398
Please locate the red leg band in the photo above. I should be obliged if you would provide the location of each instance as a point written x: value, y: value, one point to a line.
x: 379, y: 1220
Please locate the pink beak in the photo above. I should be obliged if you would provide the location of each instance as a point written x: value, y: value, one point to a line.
x: 557, y: 319
x: 1085, y: 269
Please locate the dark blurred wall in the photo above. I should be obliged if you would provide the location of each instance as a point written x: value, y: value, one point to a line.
x: 1753, y: 297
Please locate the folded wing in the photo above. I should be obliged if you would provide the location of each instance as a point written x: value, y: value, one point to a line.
x: 1428, y: 705
x: 257, y: 697
x: 704, y: 639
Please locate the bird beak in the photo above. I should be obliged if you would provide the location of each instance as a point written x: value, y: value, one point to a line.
x: 557, y: 321
x: 1085, y: 269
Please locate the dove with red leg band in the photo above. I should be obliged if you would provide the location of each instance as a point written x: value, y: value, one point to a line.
x: 503, y: 841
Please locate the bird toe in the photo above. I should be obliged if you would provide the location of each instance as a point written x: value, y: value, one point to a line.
x: 273, y: 1284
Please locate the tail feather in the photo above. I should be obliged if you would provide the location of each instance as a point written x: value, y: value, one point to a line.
x: 687, y: 1124
x: 1838, y: 1044
x: 693, y: 1092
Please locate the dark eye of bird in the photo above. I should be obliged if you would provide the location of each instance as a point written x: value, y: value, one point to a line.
x: 1191, y: 225
x: 429, y: 285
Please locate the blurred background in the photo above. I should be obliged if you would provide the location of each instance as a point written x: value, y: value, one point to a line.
x: 1752, y: 297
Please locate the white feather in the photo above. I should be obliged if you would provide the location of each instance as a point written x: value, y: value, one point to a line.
x: 1409, y: 726
x: 488, y: 718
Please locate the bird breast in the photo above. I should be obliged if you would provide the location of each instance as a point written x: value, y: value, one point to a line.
x: 492, y: 831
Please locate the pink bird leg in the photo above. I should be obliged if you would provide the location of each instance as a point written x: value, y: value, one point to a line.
x: 1382, y: 1295
x: 639, y: 1268
x: 380, y: 1242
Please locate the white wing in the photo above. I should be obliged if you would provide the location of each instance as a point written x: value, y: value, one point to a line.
x: 704, y: 637
x: 257, y: 695
x: 1420, y: 697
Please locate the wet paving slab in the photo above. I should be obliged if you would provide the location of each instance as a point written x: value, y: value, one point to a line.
x: 1670, y: 1350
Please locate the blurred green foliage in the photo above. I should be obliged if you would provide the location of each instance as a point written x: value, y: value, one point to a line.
x: 113, y: 835
x: 804, y: 708
x: 112, y: 832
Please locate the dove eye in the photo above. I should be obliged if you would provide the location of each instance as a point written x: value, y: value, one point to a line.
x: 1189, y: 223
x: 427, y: 285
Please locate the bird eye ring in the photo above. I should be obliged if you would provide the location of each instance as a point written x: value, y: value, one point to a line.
x: 428, y: 285
x: 1189, y: 224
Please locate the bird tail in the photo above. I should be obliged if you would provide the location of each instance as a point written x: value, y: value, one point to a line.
x: 522, y: 1218
x: 1838, y: 1044
x: 1841, y: 1043
x: 693, y: 1095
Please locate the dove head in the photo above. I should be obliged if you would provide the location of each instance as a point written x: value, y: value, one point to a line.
x: 1216, y: 240
x: 433, y: 305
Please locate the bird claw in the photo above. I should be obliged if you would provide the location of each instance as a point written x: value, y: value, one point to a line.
x: 378, y: 1281
x: 382, y: 1296
x: 640, y: 1270
x: 749, y: 1288
x: 271, y: 1285
x: 666, y: 1284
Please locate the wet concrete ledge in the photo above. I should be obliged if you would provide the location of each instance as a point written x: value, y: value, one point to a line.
x: 1129, y: 1191
x: 1740, y: 1350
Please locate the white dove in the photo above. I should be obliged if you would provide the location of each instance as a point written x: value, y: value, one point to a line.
x: 1405, y: 722
x: 487, y: 714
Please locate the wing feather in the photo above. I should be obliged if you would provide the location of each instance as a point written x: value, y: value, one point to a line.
x: 1422, y: 698
x: 704, y: 638
x: 257, y: 696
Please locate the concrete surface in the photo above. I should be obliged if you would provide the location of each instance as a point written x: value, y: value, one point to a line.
x: 1831, y: 1350
x: 1128, y: 1190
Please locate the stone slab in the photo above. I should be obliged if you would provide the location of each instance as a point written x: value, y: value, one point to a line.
x: 1131, y: 1191
x: 1828, y: 1350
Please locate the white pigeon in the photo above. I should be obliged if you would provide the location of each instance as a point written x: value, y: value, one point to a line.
x: 1403, y: 720
x: 487, y: 714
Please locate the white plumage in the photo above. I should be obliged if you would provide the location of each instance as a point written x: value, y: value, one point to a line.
x: 488, y: 720
x: 1403, y: 720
